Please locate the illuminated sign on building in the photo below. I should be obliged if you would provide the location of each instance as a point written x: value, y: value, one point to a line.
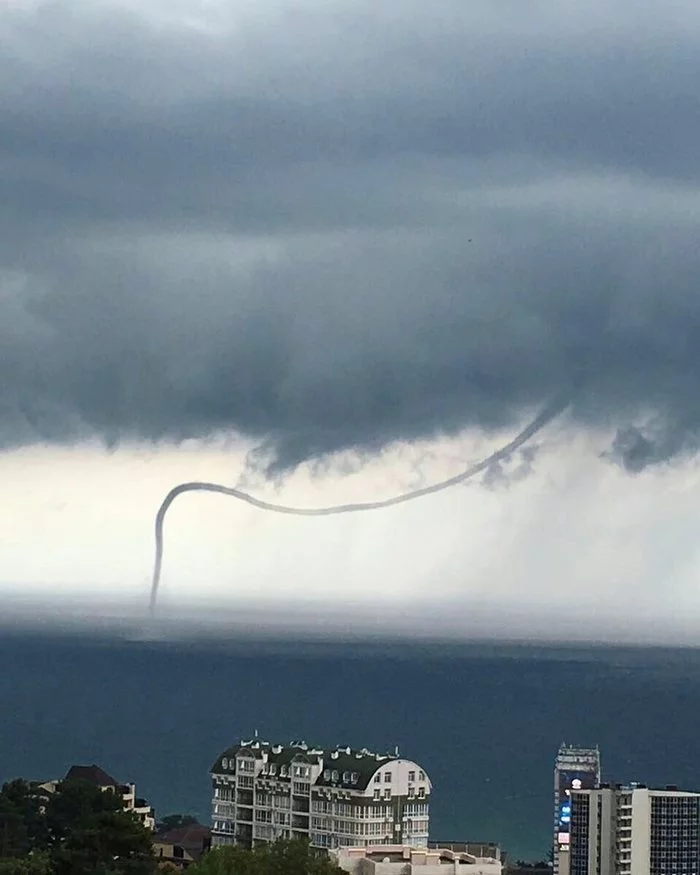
x: 569, y: 781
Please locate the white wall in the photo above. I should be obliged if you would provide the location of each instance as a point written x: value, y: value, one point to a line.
x: 357, y: 863
x: 399, y: 770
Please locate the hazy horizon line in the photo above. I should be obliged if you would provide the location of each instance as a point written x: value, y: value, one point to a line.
x: 447, y: 621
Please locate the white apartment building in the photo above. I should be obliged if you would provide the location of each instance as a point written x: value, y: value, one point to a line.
x: 575, y: 768
x: 633, y: 830
x: 338, y: 798
x: 407, y: 860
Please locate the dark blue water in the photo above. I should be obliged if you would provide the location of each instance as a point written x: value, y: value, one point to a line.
x: 485, y: 722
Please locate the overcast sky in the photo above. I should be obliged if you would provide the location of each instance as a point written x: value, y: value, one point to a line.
x: 331, y: 249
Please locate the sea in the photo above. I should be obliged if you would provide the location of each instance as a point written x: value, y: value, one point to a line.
x: 484, y: 720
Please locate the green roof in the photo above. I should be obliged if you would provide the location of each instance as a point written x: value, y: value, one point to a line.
x: 364, y: 764
x: 342, y: 767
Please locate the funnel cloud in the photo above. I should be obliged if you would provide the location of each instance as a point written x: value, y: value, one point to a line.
x: 343, y: 225
x: 530, y: 430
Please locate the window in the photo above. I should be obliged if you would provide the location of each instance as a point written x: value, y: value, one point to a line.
x: 283, y: 771
x: 421, y: 792
x: 326, y: 774
x: 387, y: 777
x: 377, y: 778
x: 421, y: 775
x: 346, y: 777
x: 387, y: 794
x: 412, y: 776
x: 354, y: 777
x: 411, y: 792
x: 273, y: 768
x: 377, y: 794
x: 224, y: 763
x: 334, y: 775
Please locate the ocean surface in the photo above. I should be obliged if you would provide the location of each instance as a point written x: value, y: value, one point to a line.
x: 485, y: 720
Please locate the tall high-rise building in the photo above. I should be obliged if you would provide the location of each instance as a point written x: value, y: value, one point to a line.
x: 337, y: 798
x: 632, y: 830
x: 575, y: 768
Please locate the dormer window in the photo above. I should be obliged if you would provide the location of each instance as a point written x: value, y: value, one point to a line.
x: 346, y: 777
x: 354, y: 777
x: 326, y: 774
x: 224, y: 763
x: 283, y: 771
x: 335, y: 775
x: 273, y: 768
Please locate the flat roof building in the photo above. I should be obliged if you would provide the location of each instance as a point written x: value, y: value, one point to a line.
x: 575, y: 768
x: 407, y: 860
x: 634, y: 830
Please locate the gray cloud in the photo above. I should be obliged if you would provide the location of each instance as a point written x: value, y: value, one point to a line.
x: 344, y: 227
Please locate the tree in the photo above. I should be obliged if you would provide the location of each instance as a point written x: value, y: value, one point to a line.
x: 32, y: 864
x: 109, y: 842
x: 77, y: 829
x: 74, y: 804
x: 283, y: 857
x: 295, y: 857
x: 90, y: 833
x: 22, y: 825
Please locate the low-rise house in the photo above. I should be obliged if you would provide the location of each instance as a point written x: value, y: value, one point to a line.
x: 182, y: 846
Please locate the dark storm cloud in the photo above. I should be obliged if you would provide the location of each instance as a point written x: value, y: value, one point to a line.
x: 342, y: 227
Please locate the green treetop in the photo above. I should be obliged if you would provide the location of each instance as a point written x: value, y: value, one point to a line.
x: 283, y: 857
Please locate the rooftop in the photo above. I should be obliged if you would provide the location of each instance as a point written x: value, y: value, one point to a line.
x: 412, y: 855
x: 192, y: 835
x: 343, y: 766
x: 92, y: 775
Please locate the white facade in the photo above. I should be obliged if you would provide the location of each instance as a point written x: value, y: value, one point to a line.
x: 338, y: 798
x: 407, y: 860
x: 635, y: 831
